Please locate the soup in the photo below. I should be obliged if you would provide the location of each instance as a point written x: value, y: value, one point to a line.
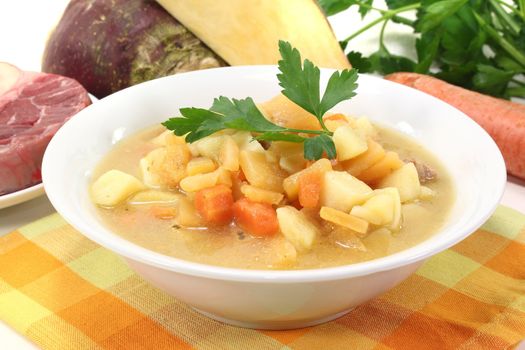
x: 230, y: 201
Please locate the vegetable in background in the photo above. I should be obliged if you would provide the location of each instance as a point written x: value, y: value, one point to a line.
x: 503, y: 120
x: 300, y: 83
x: 245, y: 31
x: 476, y: 44
x: 108, y: 45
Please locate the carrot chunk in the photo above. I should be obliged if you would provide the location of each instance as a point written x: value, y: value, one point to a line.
x: 215, y: 204
x: 258, y: 219
x: 310, y: 188
x: 162, y: 212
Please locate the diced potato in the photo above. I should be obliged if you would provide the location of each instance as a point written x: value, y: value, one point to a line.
x: 426, y: 193
x: 154, y: 197
x: 187, y: 215
x: 348, y: 143
x: 192, y: 147
x: 150, y: 166
x: 261, y: 173
x: 174, y: 166
x: 245, y: 142
x: 385, y: 166
x: 378, y: 210
x: 406, y: 180
x: 366, y: 128
x: 290, y: 155
x: 395, y: 225
x: 296, y: 228
x: 167, y: 138
x: 291, y: 183
x: 260, y: 195
x: 229, y: 154
x: 113, y: 187
x: 342, y: 191
x: 346, y: 238
x: 198, y: 182
x: 281, y: 111
x: 210, y: 146
x: 343, y: 219
x: 200, y: 165
x: 365, y: 214
x: 225, y: 177
x: 373, y: 154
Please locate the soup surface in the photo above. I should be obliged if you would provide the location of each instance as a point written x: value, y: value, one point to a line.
x: 152, y: 219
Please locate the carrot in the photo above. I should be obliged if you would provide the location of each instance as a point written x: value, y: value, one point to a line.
x: 310, y: 188
x: 215, y: 204
x: 164, y: 213
x: 258, y: 219
x: 503, y: 120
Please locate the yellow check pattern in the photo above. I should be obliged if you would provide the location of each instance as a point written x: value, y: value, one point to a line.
x: 57, y: 290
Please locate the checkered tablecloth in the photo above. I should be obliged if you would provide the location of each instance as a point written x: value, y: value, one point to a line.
x: 63, y: 291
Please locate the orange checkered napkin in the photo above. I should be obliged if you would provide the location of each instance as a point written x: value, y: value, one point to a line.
x: 63, y: 291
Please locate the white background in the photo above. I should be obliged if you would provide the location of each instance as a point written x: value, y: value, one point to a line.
x: 24, y: 28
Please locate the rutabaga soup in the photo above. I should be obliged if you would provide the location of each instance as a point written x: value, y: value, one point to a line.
x: 231, y: 201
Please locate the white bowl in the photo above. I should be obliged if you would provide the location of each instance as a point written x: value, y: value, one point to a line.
x: 272, y: 299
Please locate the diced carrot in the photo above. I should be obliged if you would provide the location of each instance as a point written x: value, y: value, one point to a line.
x: 215, y: 204
x: 337, y: 116
x: 258, y: 219
x: 162, y: 212
x: 310, y: 188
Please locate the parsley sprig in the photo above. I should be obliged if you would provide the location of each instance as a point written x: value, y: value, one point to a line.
x: 477, y: 44
x: 300, y: 83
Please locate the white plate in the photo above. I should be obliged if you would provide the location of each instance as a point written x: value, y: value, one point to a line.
x: 20, y: 196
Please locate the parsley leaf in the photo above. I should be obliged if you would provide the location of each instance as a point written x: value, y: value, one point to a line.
x: 300, y: 82
x: 315, y: 146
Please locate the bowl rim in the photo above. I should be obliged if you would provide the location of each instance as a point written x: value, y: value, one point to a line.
x: 389, y: 262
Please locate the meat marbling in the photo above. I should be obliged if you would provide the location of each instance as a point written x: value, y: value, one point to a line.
x: 33, y: 106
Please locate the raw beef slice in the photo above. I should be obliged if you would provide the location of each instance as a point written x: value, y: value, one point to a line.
x: 33, y: 106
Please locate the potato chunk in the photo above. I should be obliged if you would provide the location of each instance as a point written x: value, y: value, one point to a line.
x: 210, y: 146
x: 113, y: 187
x: 395, y: 225
x: 187, y: 214
x: 378, y: 210
x: 154, y: 197
x: 200, y: 165
x: 229, y: 154
x: 260, y: 195
x: 291, y: 183
x: 245, y: 141
x: 296, y: 227
x: 379, y: 170
x: 343, y: 219
x: 406, y: 180
x: 260, y: 172
x: 373, y: 154
x: 198, y: 182
x: 342, y: 191
x: 349, y: 143
x: 150, y: 167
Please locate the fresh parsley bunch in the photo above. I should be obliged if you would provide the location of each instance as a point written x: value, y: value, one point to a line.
x: 300, y: 83
x: 477, y: 44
